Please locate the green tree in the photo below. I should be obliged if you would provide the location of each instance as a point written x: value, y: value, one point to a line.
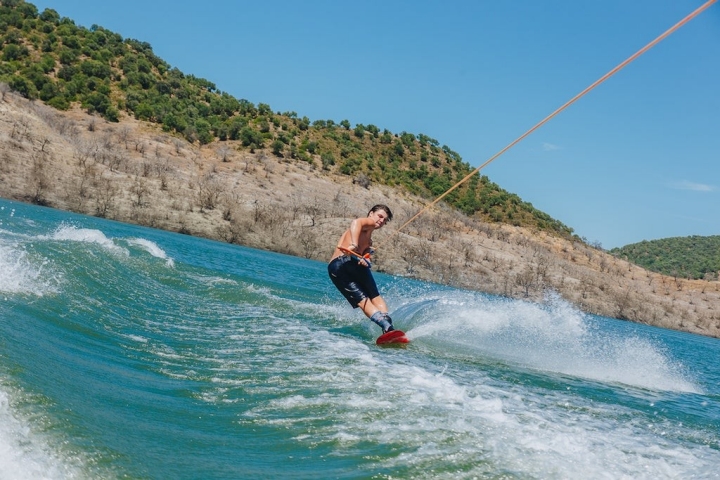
x: 249, y: 137
x: 12, y: 52
x: 144, y: 111
x: 203, y: 129
x: 277, y: 147
x: 96, y: 102
x: 328, y: 160
x: 359, y: 130
x: 23, y: 86
x: 50, y: 16
x: 92, y: 68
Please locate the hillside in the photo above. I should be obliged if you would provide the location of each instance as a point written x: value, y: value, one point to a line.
x: 48, y: 57
x: 133, y: 172
x: 137, y: 170
x: 688, y: 257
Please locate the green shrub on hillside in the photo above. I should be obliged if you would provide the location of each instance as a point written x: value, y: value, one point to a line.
x: 693, y: 257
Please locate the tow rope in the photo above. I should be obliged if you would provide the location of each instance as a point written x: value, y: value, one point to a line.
x: 612, y: 72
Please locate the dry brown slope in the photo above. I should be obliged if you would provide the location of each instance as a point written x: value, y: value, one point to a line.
x: 133, y: 172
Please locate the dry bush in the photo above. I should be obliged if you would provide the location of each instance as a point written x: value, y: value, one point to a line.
x: 106, y: 193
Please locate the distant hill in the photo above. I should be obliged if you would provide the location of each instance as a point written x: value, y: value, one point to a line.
x: 46, y: 56
x: 692, y: 257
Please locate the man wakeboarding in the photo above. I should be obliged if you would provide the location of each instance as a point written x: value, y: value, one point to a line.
x: 349, y: 267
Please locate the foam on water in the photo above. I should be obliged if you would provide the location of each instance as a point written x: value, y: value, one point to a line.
x: 153, y: 249
x: 553, y: 336
x: 88, y: 235
x: 22, y: 274
x: 337, y: 392
x: 355, y: 393
x: 28, y: 455
x: 23, y: 271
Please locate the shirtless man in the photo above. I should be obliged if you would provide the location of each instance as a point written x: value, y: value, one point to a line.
x: 351, y: 275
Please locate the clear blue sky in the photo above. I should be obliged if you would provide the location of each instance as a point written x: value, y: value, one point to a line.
x: 638, y: 158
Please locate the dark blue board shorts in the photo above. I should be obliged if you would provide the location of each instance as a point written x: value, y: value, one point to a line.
x: 353, y: 280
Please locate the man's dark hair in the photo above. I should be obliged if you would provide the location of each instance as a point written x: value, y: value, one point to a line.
x: 382, y: 207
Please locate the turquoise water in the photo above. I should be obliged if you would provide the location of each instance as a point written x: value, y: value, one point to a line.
x: 127, y: 352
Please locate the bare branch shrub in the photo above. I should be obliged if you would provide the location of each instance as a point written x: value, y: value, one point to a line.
x: 139, y: 190
x: 125, y: 136
x: 4, y: 90
x: 224, y: 153
x: 308, y: 242
x: 209, y: 190
x: 39, y: 179
x: 363, y: 180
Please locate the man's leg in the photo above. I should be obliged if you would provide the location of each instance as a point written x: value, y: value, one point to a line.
x: 368, y: 307
x: 376, y: 310
x: 380, y: 304
x: 371, y: 306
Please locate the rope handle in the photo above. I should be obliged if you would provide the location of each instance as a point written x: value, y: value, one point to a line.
x: 352, y: 253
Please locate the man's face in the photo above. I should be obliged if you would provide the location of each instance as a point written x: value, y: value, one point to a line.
x: 380, y: 217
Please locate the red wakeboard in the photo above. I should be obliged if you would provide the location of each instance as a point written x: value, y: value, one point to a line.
x: 394, y: 337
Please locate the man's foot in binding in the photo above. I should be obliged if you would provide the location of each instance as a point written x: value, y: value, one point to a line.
x: 383, y: 320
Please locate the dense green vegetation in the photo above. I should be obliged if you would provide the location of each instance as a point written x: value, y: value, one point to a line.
x: 47, y: 57
x: 688, y: 257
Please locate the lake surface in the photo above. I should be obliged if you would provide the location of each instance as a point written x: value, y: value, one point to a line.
x: 128, y: 352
